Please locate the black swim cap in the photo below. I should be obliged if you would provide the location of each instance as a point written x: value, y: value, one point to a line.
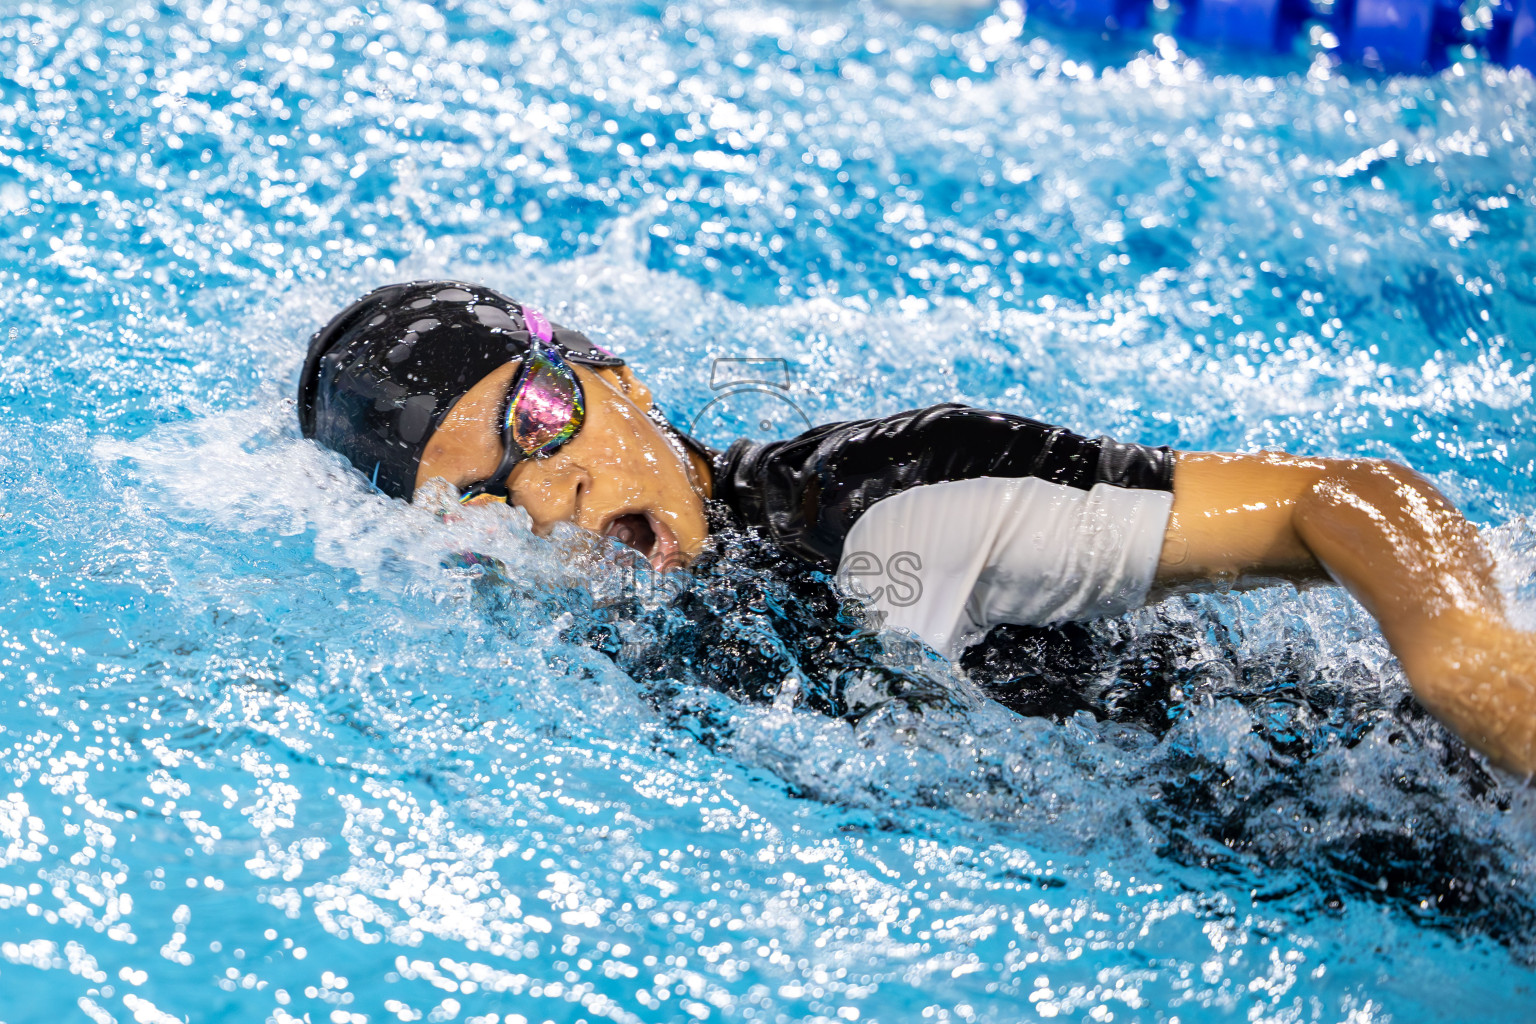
x: 382, y: 375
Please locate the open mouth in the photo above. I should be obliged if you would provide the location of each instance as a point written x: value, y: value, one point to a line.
x: 634, y: 530
x: 651, y: 537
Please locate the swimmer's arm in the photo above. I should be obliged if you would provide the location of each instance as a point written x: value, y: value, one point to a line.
x: 1397, y: 544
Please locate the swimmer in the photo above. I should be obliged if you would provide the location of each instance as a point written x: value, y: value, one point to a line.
x: 948, y: 520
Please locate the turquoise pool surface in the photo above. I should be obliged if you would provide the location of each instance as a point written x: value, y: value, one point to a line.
x: 271, y: 749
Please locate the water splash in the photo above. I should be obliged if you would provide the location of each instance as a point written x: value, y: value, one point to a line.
x: 274, y: 743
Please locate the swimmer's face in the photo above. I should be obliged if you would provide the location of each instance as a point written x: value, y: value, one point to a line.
x: 621, y: 475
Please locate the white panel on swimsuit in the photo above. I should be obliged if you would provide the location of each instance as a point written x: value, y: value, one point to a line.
x: 948, y: 561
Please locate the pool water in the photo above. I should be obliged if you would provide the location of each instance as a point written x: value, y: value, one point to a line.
x: 275, y: 749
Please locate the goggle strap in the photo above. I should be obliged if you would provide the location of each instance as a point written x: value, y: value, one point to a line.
x: 538, y: 325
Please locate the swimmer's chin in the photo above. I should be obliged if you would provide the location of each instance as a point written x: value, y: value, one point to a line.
x: 639, y: 529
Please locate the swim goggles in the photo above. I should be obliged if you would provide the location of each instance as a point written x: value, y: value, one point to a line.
x: 545, y: 408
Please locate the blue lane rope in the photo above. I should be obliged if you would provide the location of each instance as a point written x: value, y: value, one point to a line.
x: 1388, y: 35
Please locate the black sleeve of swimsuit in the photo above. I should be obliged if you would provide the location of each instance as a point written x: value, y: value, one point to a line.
x: 806, y: 493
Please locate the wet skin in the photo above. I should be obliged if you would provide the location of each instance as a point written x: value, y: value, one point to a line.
x: 1377, y: 528
x: 1397, y: 544
x: 622, y: 475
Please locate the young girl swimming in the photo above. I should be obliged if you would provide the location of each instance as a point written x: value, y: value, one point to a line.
x: 947, y: 520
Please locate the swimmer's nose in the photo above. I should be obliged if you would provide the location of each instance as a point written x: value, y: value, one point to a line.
x: 553, y: 494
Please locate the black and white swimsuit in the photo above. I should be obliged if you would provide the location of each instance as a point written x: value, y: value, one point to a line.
x: 951, y: 520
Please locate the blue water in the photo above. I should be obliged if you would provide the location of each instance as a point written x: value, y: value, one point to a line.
x: 273, y: 751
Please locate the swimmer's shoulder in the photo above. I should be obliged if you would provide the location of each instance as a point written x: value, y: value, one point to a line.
x: 805, y: 493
